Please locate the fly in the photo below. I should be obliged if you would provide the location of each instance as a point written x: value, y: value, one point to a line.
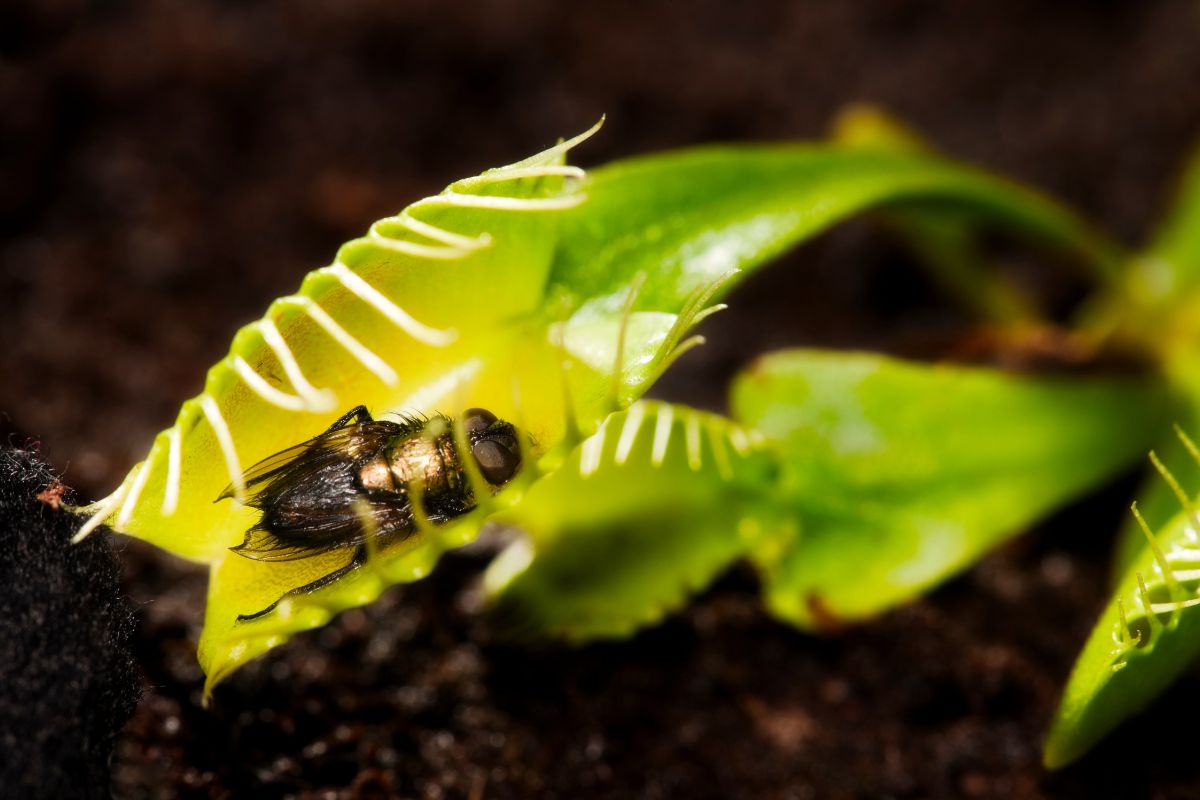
x: 314, y: 496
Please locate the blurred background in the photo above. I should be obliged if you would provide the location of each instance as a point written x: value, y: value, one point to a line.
x: 169, y: 167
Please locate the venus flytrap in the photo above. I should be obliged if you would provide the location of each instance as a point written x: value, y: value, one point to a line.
x: 431, y: 310
x: 355, y: 325
x: 556, y: 298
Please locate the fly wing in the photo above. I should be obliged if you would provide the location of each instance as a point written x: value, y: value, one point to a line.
x: 263, y: 545
x: 284, y: 538
x: 295, y: 463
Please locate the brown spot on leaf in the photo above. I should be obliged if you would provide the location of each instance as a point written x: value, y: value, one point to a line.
x: 825, y: 619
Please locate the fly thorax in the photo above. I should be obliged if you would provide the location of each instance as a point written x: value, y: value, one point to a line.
x: 430, y: 463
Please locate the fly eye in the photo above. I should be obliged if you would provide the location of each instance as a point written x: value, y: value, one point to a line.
x: 497, y: 462
x: 477, y: 419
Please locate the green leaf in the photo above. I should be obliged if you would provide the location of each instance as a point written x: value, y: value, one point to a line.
x: 643, y: 514
x: 1147, y: 636
x: 905, y: 473
x: 687, y: 219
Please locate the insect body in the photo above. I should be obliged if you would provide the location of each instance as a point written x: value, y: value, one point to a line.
x: 356, y: 481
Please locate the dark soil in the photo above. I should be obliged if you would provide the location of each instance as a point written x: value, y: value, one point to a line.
x: 168, y: 168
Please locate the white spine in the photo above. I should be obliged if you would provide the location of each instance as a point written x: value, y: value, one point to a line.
x: 633, y: 423
x: 135, y: 494
x: 400, y: 317
x: 435, y: 252
x: 171, y: 492
x: 437, y: 234
x: 662, y: 435
x: 104, y: 509
x: 216, y: 420
x: 259, y: 385
x: 692, y: 437
x: 315, y: 400
x: 591, y: 453
x: 354, y: 347
x: 498, y: 203
x: 514, y: 173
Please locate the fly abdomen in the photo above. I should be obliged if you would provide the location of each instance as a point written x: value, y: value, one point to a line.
x: 376, y: 475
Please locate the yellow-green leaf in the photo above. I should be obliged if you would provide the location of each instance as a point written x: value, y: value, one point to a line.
x: 641, y: 515
x: 903, y: 473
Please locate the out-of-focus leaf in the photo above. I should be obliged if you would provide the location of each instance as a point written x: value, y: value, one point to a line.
x: 905, y: 473
x: 945, y: 240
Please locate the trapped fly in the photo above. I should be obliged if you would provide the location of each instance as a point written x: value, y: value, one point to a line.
x: 355, y: 481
